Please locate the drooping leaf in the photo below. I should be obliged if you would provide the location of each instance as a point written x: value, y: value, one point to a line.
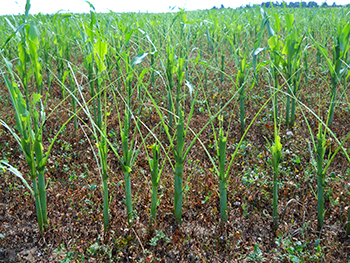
x: 13, y: 34
x: 138, y: 59
x: 190, y: 87
x: 90, y: 4
x: 27, y: 9
x: 7, y: 166
x: 258, y: 50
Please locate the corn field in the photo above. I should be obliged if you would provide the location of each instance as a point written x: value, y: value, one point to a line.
x: 194, y: 136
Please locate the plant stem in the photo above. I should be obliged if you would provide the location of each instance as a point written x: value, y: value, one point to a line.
x: 332, y: 107
x: 105, y: 205
x: 222, y: 175
x: 320, y: 178
x: 39, y: 213
x: 223, y: 201
x: 178, y: 191
x: 275, y: 200
x: 128, y: 197
x: 179, y: 166
x: 320, y: 202
x: 42, y: 194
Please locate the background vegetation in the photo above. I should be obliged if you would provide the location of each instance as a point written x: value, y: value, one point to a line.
x: 212, y: 136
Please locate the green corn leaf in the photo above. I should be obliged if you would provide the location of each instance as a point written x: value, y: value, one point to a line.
x: 274, y: 43
x: 24, y: 115
x: 26, y: 147
x: 10, y: 24
x: 90, y: 4
x: 277, y: 22
x: 289, y: 21
x: 345, y: 32
x: 99, y: 54
x: 38, y: 149
x: 13, y: 34
x: 266, y: 22
x: 142, y: 74
x: 126, y: 169
x: 151, y: 164
x: 11, y: 131
x: 9, y: 66
x: 276, y: 151
x: 65, y: 75
x: 88, y: 58
x: 33, y: 33
x: 66, y: 16
x: 56, y: 15
x: 89, y: 33
x: 36, y: 98
x: 128, y: 36
x: 324, y: 52
x: 42, y: 164
x: 27, y: 9
x: 22, y: 69
x: 33, y: 43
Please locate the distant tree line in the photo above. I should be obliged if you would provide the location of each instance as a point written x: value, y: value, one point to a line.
x: 290, y: 5
x: 298, y: 4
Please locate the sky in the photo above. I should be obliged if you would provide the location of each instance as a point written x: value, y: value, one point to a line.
x: 8, y: 7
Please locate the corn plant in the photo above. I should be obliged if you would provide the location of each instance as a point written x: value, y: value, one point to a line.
x: 321, y: 148
x: 73, y: 100
x: 222, y: 172
x: 291, y: 57
x: 257, y: 50
x: 181, y: 132
x: 29, y: 118
x: 127, y: 133
x: 30, y: 122
x: 24, y: 71
x: 100, y: 50
x: 276, y: 156
x: 59, y: 42
x: 100, y: 134
x: 29, y: 125
x: 321, y: 167
x: 154, y: 163
x: 156, y: 169
x: 276, y: 150
x: 95, y: 62
x: 222, y: 175
x: 46, y: 58
x: 340, y: 49
x: 243, y: 68
x: 128, y: 146
x: 170, y: 70
x: 222, y: 67
x: 88, y: 34
x: 274, y: 44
